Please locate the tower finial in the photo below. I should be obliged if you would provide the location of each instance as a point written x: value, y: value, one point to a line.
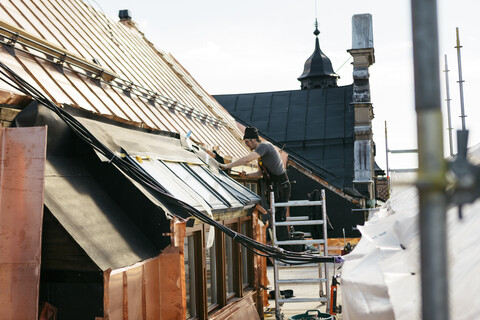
x: 316, y: 32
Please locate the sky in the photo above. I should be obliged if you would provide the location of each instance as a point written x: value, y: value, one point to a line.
x: 261, y: 45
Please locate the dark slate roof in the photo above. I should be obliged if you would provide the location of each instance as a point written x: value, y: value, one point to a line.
x: 318, y: 65
x: 314, y: 126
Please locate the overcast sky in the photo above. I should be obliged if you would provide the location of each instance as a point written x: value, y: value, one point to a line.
x: 261, y: 45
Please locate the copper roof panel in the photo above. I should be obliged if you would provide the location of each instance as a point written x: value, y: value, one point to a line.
x: 142, y: 69
x: 22, y: 170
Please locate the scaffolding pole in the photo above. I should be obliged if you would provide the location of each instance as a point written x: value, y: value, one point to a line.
x: 449, y: 114
x: 460, y: 80
x: 386, y: 154
x: 431, y: 181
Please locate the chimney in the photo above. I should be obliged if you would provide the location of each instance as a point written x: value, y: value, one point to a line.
x: 125, y: 15
x: 363, y: 57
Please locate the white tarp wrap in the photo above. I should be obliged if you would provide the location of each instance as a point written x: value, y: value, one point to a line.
x: 381, y: 280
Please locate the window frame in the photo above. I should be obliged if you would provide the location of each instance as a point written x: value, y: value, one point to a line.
x: 247, y: 285
x: 197, y: 235
x: 199, y: 231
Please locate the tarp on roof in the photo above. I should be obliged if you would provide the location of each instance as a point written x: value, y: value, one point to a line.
x: 92, y: 217
x: 87, y: 196
x: 139, y: 143
x: 190, y: 175
x: 315, y: 125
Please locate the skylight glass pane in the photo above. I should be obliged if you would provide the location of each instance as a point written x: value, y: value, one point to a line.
x: 170, y: 181
x: 196, y: 185
x: 215, y: 184
x: 245, y: 192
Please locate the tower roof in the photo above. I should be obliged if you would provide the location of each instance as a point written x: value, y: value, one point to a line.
x: 318, y: 71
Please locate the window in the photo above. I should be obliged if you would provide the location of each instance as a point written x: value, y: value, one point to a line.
x: 235, y: 188
x: 190, y: 278
x: 252, y: 186
x: 195, y: 184
x: 212, y: 274
x: 229, y: 266
x: 232, y: 267
x: 216, y: 184
x: 246, y: 257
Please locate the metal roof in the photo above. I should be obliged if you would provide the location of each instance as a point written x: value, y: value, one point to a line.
x: 318, y: 64
x: 314, y: 125
x: 76, y: 55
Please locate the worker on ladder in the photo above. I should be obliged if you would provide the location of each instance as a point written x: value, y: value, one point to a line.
x: 271, y: 169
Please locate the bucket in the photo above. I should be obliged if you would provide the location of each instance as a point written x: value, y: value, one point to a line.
x: 312, y: 315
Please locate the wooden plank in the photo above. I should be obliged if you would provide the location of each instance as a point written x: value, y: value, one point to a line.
x: 8, y: 114
x: 9, y: 98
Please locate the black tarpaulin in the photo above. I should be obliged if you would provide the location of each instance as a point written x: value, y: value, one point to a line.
x: 92, y: 218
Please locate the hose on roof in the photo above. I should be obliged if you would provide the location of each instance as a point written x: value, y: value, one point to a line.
x: 141, y: 176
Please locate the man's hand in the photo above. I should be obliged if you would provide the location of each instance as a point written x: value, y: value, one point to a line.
x: 242, y: 174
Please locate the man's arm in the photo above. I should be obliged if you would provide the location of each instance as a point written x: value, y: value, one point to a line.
x: 242, y: 161
x: 256, y: 174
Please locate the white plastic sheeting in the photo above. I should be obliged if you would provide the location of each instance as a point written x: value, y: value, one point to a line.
x: 381, y: 277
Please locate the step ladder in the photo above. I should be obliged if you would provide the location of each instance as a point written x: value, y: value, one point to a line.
x: 323, y: 279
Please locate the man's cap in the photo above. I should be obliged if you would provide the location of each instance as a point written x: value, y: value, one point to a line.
x: 250, y: 133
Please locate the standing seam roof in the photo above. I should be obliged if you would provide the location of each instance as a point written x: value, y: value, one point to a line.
x: 82, y: 30
x: 322, y: 136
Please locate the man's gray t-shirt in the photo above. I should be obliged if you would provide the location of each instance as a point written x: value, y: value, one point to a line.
x: 271, y: 158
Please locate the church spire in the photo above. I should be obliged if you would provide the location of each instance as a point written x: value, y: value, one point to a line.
x: 318, y: 71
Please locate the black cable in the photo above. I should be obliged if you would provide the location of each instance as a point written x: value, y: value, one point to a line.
x: 131, y: 169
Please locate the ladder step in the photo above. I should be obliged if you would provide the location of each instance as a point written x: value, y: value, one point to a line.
x: 293, y: 281
x: 309, y: 265
x: 299, y: 203
x: 298, y: 218
x: 301, y: 300
x: 286, y: 242
x: 299, y: 223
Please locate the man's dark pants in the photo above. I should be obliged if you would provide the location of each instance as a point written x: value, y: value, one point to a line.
x: 282, y: 193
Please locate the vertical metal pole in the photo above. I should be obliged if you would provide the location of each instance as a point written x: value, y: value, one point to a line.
x: 325, y: 249
x: 460, y: 80
x: 275, y: 268
x: 432, y: 167
x: 447, y: 84
x: 386, y: 156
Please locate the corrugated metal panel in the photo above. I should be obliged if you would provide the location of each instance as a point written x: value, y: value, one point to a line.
x: 22, y: 166
x: 81, y: 30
